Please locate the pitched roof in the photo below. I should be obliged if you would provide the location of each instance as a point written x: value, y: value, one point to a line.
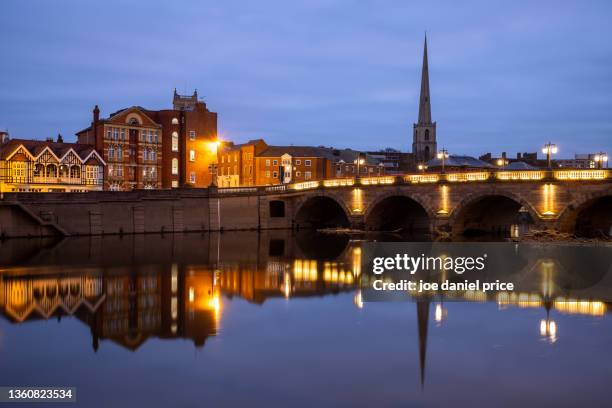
x: 334, y: 155
x: 36, y: 147
x: 460, y: 161
x: 519, y: 165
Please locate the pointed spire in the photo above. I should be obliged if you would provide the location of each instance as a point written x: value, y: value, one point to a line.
x: 424, y: 103
x: 422, y: 323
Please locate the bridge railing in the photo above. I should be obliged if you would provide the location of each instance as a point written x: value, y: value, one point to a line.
x: 430, y: 178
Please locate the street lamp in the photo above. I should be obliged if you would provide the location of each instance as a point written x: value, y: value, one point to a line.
x: 422, y: 167
x: 601, y: 158
x: 549, y: 149
x: 359, y: 161
x: 502, y: 163
x: 442, y: 155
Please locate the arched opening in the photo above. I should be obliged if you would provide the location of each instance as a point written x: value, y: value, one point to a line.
x: 594, y: 218
x: 398, y: 214
x: 493, y: 215
x: 426, y: 153
x: 321, y: 212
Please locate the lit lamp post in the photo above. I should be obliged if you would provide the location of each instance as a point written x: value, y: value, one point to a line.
x: 213, y: 147
x: 502, y: 163
x: 601, y: 158
x: 442, y: 155
x: 359, y: 161
x: 422, y: 167
x: 549, y: 149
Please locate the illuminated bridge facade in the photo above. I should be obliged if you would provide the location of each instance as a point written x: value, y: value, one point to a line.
x: 572, y: 201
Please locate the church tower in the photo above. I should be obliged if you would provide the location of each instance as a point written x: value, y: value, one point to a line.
x: 424, y: 145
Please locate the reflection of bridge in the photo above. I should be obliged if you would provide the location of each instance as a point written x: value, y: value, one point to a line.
x: 170, y: 287
x: 569, y: 200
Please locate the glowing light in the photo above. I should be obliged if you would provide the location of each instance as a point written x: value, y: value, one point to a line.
x: 520, y: 175
x: 471, y: 176
x: 581, y: 174
x: 191, y: 294
x: 377, y: 180
x: 443, y: 200
x: 358, y: 300
x: 339, y: 182
x: 214, y: 146
x: 307, y: 185
x: 548, y: 200
x: 357, y: 200
x: 422, y: 178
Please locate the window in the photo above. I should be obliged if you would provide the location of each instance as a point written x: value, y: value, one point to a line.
x: 145, y: 154
x: 298, y: 162
x: 192, y: 155
x: 275, y: 162
x: 267, y: 173
x: 174, y: 183
x: 222, y: 159
x: 426, y: 134
x: 307, y: 175
x: 275, y: 174
x: 155, y: 139
x: 122, y: 137
x: 116, y: 133
x: 175, y: 166
x: 109, y: 133
x: 192, y: 177
x: 175, y: 142
x: 298, y: 174
x: 119, y: 153
x: 111, y: 152
x: 174, y: 121
x: 235, y: 157
x: 268, y: 163
x: 192, y: 135
x: 152, y: 155
x: 307, y: 162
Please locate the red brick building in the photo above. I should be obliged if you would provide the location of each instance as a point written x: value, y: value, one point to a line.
x: 165, y: 148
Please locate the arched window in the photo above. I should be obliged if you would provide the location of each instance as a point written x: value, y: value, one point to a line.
x: 174, y: 121
x: 427, y: 134
x: 175, y: 142
x: 51, y: 170
x: 174, y: 166
x: 133, y: 121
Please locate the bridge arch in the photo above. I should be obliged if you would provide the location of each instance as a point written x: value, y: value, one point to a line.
x: 398, y: 210
x: 589, y: 215
x: 322, y: 210
x: 494, y: 212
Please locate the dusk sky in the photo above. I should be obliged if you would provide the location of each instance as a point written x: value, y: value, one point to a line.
x: 504, y: 75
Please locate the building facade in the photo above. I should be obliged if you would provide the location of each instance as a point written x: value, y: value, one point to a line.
x: 149, y: 149
x: 256, y: 163
x: 48, y: 166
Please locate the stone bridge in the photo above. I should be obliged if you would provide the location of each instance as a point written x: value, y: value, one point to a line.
x: 577, y: 201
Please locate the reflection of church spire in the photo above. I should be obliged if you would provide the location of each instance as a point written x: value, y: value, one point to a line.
x: 422, y: 323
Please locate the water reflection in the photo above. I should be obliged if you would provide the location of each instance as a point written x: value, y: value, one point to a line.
x: 131, y: 289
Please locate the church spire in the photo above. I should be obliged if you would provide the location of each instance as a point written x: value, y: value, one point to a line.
x: 424, y: 104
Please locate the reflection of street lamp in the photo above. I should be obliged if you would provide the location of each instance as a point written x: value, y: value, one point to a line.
x: 440, y: 314
x: 422, y: 167
x: 549, y: 149
x: 548, y: 328
x: 443, y: 155
x: 601, y: 158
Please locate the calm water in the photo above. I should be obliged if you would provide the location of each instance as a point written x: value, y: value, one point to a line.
x: 271, y: 319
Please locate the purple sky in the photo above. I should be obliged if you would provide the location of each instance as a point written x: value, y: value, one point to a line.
x: 504, y: 75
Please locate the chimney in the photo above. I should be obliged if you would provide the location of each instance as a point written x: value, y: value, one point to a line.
x: 96, y: 114
x: 49, y: 139
x: 60, y: 139
x: 4, y: 137
x: 504, y: 155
